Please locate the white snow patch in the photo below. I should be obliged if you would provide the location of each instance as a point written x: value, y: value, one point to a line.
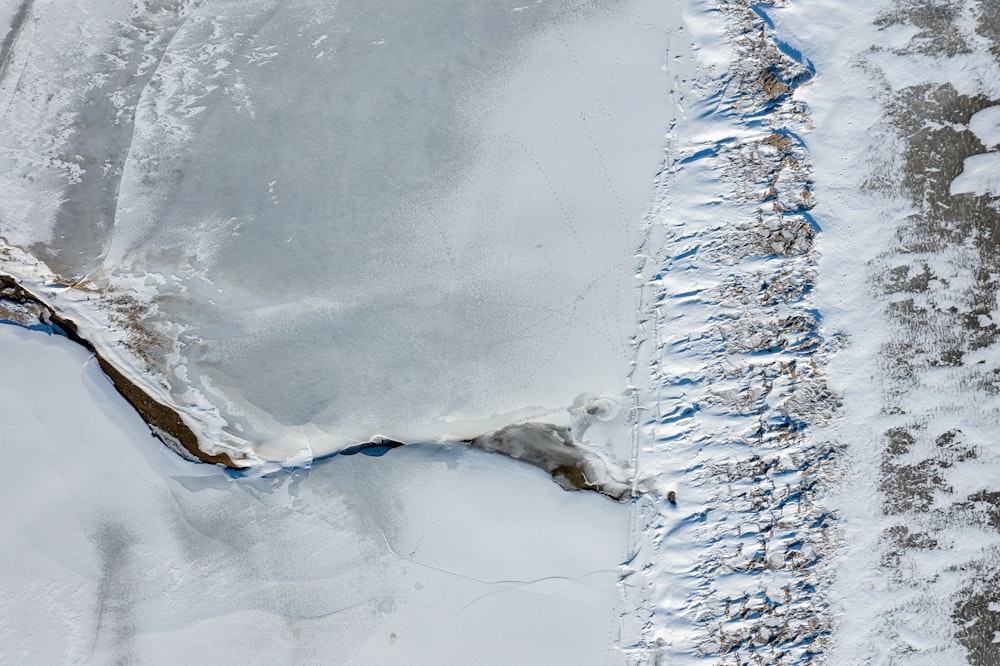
x: 985, y: 125
x: 980, y: 176
x: 116, y: 549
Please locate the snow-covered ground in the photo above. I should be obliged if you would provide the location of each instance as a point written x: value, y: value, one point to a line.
x: 916, y: 580
x: 767, y: 238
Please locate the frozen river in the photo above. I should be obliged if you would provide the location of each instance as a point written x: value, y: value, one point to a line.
x: 118, y: 551
x: 315, y: 224
x: 732, y: 264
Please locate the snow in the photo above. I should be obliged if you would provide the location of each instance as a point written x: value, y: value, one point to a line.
x: 985, y: 125
x: 903, y: 612
x: 732, y: 366
x: 981, y: 175
x: 856, y: 228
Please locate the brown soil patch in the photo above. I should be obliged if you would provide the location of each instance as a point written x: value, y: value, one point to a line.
x: 164, y: 422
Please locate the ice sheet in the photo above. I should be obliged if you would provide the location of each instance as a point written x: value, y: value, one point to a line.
x: 115, y: 550
x: 415, y: 221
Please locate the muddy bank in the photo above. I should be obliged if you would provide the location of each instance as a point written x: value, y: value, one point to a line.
x: 553, y: 449
x: 164, y: 423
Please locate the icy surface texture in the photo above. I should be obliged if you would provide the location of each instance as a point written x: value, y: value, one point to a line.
x: 115, y: 551
x: 416, y: 220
